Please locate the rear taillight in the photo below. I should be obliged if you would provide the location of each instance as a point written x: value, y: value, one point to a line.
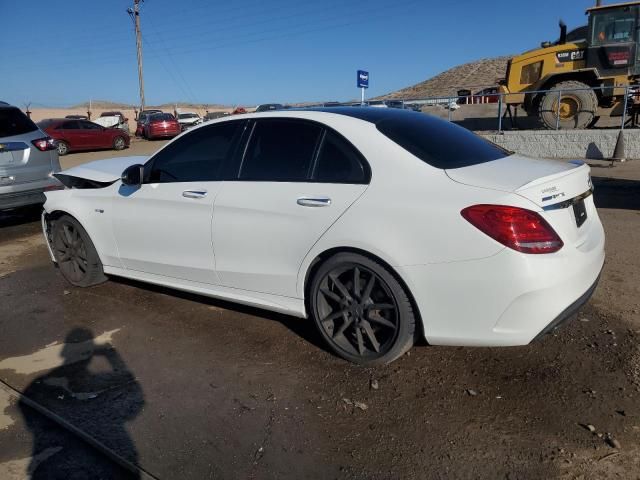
x: 516, y: 228
x: 44, y: 144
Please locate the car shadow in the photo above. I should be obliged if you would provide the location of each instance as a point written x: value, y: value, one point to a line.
x: 20, y: 216
x: 303, y: 328
x: 616, y: 193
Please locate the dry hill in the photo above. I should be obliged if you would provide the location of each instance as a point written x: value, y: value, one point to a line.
x: 473, y: 76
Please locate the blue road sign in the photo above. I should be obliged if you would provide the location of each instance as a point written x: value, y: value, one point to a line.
x: 363, y: 79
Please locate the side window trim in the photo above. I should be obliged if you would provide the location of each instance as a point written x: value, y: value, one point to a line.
x: 247, y: 142
x: 316, y: 155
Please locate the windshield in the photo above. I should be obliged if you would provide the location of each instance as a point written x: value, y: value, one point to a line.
x: 613, y: 26
x: 44, y: 124
x: 187, y: 115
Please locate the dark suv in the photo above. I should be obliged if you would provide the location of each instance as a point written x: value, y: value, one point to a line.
x: 28, y: 159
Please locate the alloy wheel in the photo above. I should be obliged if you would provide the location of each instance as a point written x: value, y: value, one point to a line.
x: 71, y: 252
x: 357, y: 311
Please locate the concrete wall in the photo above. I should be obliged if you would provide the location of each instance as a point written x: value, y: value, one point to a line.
x: 594, y: 144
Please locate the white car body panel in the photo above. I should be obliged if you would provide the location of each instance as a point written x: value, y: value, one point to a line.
x: 150, y: 221
x: 107, y: 122
x: 250, y: 216
x: 252, y: 243
x: 108, y: 170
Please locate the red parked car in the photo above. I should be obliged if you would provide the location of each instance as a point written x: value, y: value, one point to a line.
x: 161, y: 125
x: 73, y: 135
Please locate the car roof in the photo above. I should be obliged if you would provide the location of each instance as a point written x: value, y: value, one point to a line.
x: 368, y: 114
x: 371, y: 115
x: 61, y: 119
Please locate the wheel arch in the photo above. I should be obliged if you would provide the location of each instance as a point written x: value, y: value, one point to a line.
x: 321, y: 257
x: 50, y: 217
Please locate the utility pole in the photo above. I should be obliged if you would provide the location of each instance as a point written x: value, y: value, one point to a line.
x: 134, y: 13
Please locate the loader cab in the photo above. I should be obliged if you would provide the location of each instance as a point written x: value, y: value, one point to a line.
x: 613, y: 39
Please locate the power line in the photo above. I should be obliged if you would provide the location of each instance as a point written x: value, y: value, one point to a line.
x: 226, y: 24
x: 244, y: 39
x: 171, y: 59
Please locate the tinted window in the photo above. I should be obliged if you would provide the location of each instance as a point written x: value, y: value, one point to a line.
x: 43, y: 124
x: 339, y: 162
x: 197, y: 156
x: 439, y: 143
x: 73, y: 125
x: 14, y: 122
x: 161, y: 117
x: 280, y: 151
x: 89, y: 126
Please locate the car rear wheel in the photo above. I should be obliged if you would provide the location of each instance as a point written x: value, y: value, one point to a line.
x: 75, y: 254
x: 63, y: 148
x: 119, y: 143
x: 361, y: 310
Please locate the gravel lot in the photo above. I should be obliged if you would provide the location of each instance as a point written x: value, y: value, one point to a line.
x: 190, y: 387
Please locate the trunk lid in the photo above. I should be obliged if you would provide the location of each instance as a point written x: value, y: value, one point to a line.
x: 21, y: 162
x: 545, y: 182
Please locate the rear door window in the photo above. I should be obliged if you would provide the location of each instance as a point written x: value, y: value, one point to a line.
x: 196, y: 156
x: 339, y: 162
x: 14, y: 122
x: 280, y: 150
x: 70, y: 125
x: 89, y: 125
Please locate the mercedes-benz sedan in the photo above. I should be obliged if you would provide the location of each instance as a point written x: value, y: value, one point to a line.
x: 380, y: 225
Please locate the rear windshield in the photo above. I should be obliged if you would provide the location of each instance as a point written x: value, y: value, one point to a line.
x: 158, y: 117
x: 14, y: 122
x: 44, y: 124
x: 439, y: 143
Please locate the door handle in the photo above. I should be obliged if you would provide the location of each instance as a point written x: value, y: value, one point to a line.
x: 194, y: 193
x: 314, y: 201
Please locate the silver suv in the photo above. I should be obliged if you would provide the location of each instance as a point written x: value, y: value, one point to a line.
x: 28, y: 160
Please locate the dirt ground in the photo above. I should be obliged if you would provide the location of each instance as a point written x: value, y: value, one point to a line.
x: 190, y: 387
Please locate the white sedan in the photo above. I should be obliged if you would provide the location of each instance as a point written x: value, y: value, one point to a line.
x: 381, y: 225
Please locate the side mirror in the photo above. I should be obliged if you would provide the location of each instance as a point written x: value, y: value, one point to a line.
x: 133, y: 175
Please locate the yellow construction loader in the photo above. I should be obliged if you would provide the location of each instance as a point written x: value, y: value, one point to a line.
x: 603, y: 55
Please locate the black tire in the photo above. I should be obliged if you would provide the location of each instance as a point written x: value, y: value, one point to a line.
x: 75, y: 254
x: 119, y: 143
x: 577, y: 108
x: 63, y: 148
x: 344, y: 310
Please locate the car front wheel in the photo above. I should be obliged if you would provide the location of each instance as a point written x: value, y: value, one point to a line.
x: 361, y: 310
x: 75, y: 254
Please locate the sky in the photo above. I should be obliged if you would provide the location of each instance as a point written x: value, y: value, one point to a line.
x: 247, y: 52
